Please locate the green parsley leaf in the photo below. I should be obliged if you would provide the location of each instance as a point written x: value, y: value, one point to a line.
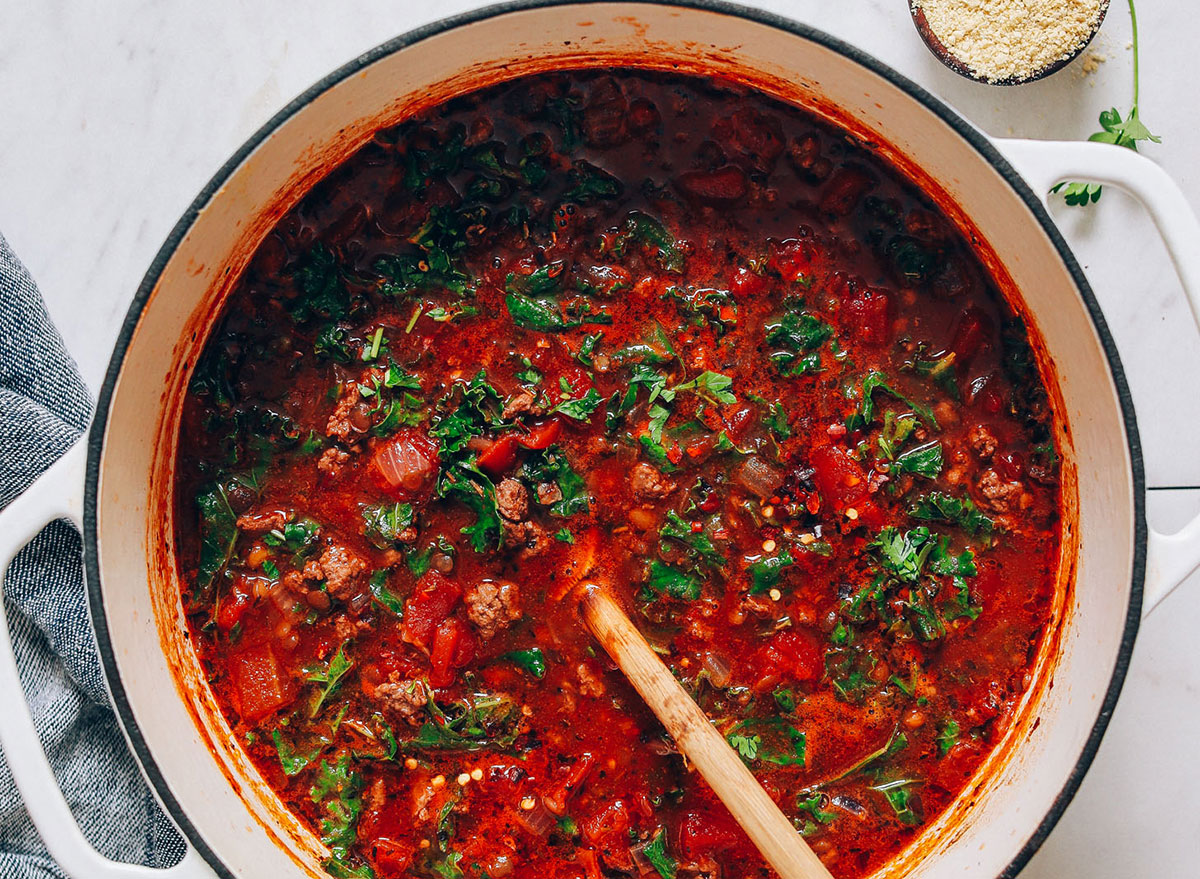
x: 658, y: 420
x: 656, y: 854
x: 746, y: 746
x: 671, y: 581
x: 710, y: 386
x: 779, y: 742
x: 532, y: 661
x: 875, y: 381
x: 587, y: 183
x: 292, y: 762
x: 940, y: 507
x: 581, y: 408
x: 899, y: 796
x: 764, y: 571
x: 925, y: 460
x: 330, y: 676
x: 698, y: 544
x: 947, y: 737
x: 383, y: 595
x: 785, y: 699
x: 812, y: 805
x: 218, y: 535
x: 798, y: 336
x: 385, y: 523
x: 336, y: 788
x: 653, y: 236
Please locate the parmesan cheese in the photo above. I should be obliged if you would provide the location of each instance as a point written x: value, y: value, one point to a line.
x: 1003, y: 40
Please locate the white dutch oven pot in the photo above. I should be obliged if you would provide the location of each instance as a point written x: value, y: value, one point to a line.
x: 118, y: 488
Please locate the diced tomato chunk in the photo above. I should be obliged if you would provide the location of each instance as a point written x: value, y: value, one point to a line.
x: 591, y: 863
x: 746, y: 283
x: 738, y: 423
x: 428, y: 607
x: 453, y: 647
x: 759, y: 136
x: 843, y: 191
x: 839, y: 477
x: 541, y: 435
x: 391, y: 858
x: 868, y: 316
x: 704, y: 834
x: 792, y: 258
x: 407, y: 464
x: 233, y: 606
x: 499, y: 456
x: 842, y: 484
x: 792, y: 653
x: 720, y: 188
x: 607, y: 822
x: 974, y: 330
x: 260, y: 686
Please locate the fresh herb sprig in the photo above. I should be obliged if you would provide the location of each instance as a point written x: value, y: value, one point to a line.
x: 1124, y: 132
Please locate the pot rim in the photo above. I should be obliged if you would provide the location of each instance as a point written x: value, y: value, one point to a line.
x: 974, y: 137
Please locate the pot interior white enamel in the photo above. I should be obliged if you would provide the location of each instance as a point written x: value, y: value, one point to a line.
x: 186, y: 747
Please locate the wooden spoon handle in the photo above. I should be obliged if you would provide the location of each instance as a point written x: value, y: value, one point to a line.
x: 722, y: 768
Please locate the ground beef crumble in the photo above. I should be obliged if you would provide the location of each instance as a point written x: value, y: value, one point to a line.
x: 648, y: 484
x: 343, y: 571
x: 404, y: 699
x: 492, y: 606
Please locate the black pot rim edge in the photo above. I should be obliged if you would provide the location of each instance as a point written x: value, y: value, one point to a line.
x: 976, y: 139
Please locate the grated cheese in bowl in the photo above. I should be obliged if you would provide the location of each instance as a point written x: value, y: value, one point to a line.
x: 1011, y: 40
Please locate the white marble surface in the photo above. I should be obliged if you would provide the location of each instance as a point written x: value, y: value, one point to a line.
x: 113, y: 115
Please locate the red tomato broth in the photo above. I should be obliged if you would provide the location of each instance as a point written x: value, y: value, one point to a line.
x: 763, y: 203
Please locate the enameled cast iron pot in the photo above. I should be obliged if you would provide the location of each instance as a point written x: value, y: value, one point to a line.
x: 118, y: 489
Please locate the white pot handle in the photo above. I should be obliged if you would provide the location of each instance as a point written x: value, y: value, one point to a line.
x: 57, y: 494
x: 1170, y: 558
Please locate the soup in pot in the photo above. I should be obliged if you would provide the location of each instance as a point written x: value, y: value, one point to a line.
x: 657, y: 331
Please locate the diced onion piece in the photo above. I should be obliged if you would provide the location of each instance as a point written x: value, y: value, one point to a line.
x: 719, y: 672
x: 407, y: 463
x: 758, y: 477
x: 539, y: 820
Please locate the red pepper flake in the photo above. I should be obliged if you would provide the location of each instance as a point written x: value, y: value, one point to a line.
x: 697, y: 527
x: 674, y: 454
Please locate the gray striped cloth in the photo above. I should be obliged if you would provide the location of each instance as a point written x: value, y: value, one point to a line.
x: 44, y: 407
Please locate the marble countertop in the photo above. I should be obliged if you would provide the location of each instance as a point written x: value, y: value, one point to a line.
x: 114, y: 115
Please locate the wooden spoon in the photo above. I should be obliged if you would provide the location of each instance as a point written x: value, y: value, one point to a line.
x: 769, y: 829
x: 943, y: 54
